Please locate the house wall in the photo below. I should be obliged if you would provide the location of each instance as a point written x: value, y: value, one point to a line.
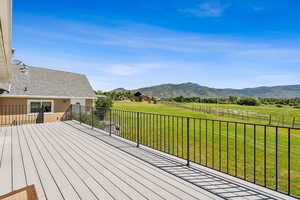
x: 89, y: 102
x: 14, y: 110
x: 78, y: 101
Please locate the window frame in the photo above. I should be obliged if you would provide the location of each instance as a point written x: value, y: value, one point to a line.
x: 39, y: 101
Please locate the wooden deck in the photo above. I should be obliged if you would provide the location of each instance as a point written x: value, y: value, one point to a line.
x: 66, y: 160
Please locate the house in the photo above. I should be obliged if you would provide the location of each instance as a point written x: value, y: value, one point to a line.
x: 34, y: 87
x: 25, y: 90
x: 140, y: 97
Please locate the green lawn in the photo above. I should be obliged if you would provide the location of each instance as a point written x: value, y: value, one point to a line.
x: 215, y: 141
x: 285, y: 113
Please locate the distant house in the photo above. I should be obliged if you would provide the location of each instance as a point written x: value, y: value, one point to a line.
x: 39, y: 87
x: 140, y: 97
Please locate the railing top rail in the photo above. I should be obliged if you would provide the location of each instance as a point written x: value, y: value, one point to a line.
x: 215, y: 120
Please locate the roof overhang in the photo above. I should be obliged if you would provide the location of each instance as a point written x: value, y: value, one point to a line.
x: 101, y: 96
x: 5, y: 40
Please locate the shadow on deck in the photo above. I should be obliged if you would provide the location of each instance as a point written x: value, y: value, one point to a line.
x: 221, y: 185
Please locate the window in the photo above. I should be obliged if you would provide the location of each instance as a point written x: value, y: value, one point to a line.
x: 35, y: 106
x: 47, y: 106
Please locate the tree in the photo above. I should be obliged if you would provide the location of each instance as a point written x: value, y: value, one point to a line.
x: 233, y: 99
x: 104, y: 103
x: 248, y: 101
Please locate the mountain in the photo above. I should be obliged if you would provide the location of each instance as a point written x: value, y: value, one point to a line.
x: 119, y: 90
x: 195, y: 90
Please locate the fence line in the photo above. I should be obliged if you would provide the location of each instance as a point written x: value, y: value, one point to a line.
x: 268, y: 119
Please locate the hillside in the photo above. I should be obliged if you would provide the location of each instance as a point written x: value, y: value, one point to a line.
x: 195, y: 90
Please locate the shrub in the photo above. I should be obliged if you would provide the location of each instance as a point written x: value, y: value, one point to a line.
x: 104, y: 103
x: 248, y: 101
x: 87, y: 119
x: 279, y: 105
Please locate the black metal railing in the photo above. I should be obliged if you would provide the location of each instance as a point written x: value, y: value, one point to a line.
x: 16, y: 115
x: 262, y: 154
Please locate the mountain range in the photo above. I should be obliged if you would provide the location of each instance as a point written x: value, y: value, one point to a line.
x: 196, y: 90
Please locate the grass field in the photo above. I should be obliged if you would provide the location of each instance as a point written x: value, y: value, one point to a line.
x: 278, y: 114
x: 219, y: 145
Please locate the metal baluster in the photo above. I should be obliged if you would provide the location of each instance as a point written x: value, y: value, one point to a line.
x: 235, y: 149
x: 188, y: 140
x: 194, y: 140
x: 289, y: 161
x: 276, y: 160
x: 265, y: 155
x: 227, y: 146
x: 206, y: 131
x: 182, y: 137
x: 173, y: 132
x: 220, y: 145
x: 212, y: 144
x: 138, y: 129
x: 254, y: 159
x: 245, y: 153
x: 200, y: 141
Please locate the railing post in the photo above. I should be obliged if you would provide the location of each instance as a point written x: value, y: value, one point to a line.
x: 71, y: 111
x: 188, y: 141
x: 80, y: 114
x: 294, y: 122
x: 138, y: 130
x: 289, y: 161
x: 92, y: 113
x: 110, y: 123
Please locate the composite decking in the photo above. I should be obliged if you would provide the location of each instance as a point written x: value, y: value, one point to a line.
x: 66, y: 160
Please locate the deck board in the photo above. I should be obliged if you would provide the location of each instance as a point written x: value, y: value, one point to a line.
x: 71, y: 161
x: 6, y: 167
x: 68, y: 192
x: 139, y: 167
x: 154, y: 179
x: 122, y: 171
x: 80, y: 166
x: 31, y: 173
x: 49, y: 183
x: 17, y: 164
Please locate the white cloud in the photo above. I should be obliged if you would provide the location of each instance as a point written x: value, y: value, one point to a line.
x: 138, y: 37
x: 131, y: 69
x: 135, y: 36
x: 207, y: 9
x: 136, y: 50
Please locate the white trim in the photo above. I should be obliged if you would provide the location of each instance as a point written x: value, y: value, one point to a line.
x: 5, y: 39
x: 29, y: 101
x: 45, y: 97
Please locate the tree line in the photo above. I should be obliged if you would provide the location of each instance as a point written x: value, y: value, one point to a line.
x: 251, y: 101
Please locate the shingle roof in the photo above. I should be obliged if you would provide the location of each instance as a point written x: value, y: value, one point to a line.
x: 34, y: 81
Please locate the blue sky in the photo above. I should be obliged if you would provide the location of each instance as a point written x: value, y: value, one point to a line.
x: 137, y: 43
